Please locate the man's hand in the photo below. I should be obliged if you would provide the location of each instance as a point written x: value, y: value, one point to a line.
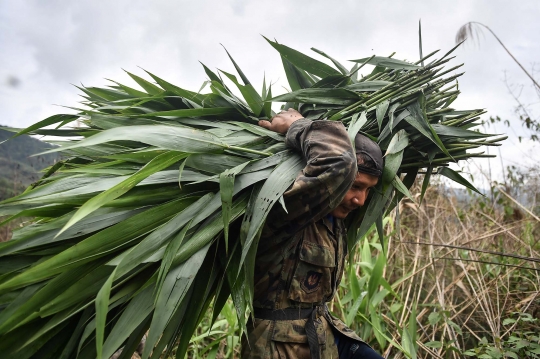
x: 281, y: 122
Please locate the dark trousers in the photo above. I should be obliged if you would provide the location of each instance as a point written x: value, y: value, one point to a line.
x: 351, y: 349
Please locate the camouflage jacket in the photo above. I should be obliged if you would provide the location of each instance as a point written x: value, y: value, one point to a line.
x: 301, y: 252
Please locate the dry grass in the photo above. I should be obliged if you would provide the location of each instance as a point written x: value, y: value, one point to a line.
x: 472, y: 265
x: 5, y: 234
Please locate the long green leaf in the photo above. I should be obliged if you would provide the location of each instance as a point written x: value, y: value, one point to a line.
x: 458, y: 132
x: 418, y: 121
x: 267, y: 105
x: 158, y: 163
x: 150, y: 88
x: 134, y: 339
x: 168, y: 257
x: 209, y: 230
x: 138, y: 309
x: 393, y: 157
x: 398, y: 143
x: 166, y: 137
x: 205, y: 279
x: 175, y: 287
x: 358, y: 121
x: 298, y: 79
x: 98, y: 245
x: 211, y: 74
x: 226, y: 187
x: 251, y: 96
x: 456, y: 177
x: 196, y: 112
x: 47, y: 122
x: 398, y: 184
x: 102, y: 307
x: 26, y: 307
x: 302, y: 61
x: 160, y: 236
x: 374, y: 209
x: 46, y: 233
x: 77, y: 293
x: 68, y: 349
x: 425, y: 182
x: 324, y: 96
x: 189, y: 95
x: 388, y: 63
x: 368, y: 85
x: 340, y: 67
x: 274, y: 187
x: 381, y: 112
x: 332, y: 81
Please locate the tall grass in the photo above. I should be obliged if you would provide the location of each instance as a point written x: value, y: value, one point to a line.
x: 459, y: 278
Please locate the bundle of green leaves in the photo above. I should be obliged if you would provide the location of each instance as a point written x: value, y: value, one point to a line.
x: 156, y: 209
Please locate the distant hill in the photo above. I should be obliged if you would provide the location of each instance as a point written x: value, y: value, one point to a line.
x: 17, y: 168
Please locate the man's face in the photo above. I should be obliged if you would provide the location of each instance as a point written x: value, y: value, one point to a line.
x: 356, y: 196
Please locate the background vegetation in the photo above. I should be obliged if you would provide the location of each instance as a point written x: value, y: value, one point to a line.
x: 18, y: 169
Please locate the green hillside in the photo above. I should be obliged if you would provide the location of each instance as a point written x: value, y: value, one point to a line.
x: 17, y: 168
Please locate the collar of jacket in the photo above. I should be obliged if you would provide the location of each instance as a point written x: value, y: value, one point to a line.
x: 327, y: 222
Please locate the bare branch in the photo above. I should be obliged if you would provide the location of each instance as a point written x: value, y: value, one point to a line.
x: 472, y: 29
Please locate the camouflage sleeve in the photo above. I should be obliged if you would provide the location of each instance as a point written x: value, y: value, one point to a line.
x: 322, y: 184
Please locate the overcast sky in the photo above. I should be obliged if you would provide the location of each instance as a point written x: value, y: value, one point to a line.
x: 47, y: 45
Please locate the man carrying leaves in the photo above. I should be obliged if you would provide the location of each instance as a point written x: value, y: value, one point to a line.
x: 302, y: 249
